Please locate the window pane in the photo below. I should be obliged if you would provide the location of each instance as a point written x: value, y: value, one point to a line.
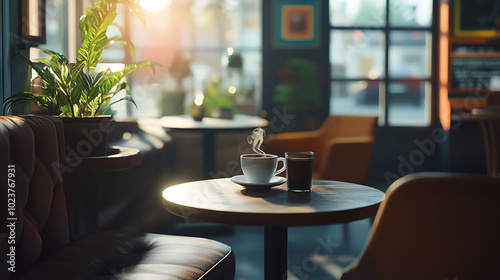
x: 208, y: 31
x: 227, y: 23
x: 357, y: 54
x: 410, y: 54
x: 355, y: 98
x: 203, y: 30
x: 417, y: 13
x: 407, y: 103
x: 56, y: 29
x: 245, y: 25
x: 357, y: 12
x: 2, y: 89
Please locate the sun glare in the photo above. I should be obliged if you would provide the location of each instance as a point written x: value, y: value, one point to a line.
x: 155, y: 5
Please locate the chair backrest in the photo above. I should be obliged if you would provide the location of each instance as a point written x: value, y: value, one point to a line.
x: 31, y: 148
x: 434, y: 226
x: 342, y: 146
x: 349, y: 126
x: 345, y: 164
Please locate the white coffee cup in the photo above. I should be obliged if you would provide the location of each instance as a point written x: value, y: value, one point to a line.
x: 260, y: 168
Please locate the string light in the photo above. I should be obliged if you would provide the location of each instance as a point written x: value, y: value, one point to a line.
x: 198, y: 100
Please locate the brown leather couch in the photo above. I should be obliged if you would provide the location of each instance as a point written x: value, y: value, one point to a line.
x: 38, y: 241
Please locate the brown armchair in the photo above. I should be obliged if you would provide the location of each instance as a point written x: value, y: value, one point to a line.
x: 342, y: 147
x: 434, y: 226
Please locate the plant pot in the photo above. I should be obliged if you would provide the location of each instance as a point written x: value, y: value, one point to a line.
x: 172, y: 103
x: 86, y: 136
x: 197, y: 112
x: 226, y: 113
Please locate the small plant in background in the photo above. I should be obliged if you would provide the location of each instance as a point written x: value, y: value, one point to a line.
x: 299, y: 88
x: 173, y: 95
x: 180, y: 69
x: 217, y: 98
x: 76, y: 89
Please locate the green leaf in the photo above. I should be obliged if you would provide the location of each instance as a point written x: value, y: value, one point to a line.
x: 75, y: 89
x: 124, y: 41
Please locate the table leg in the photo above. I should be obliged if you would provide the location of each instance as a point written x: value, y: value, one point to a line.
x: 490, y: 137
x: 275, y: 252
x: 85, y: 203
x: 209, y: 159
x: 495, y: 152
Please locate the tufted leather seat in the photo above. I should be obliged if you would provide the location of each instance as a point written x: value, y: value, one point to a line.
x: 44, y: 248
x: 118, y: 255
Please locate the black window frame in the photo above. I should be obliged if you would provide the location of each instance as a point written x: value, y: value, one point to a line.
x: 387, y: 28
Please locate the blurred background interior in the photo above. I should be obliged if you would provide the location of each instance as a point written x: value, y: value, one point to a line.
x: 383, y: 58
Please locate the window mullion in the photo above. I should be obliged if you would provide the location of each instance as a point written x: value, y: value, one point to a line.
x: 385, y: 101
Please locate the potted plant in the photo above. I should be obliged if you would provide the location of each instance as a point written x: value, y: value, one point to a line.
x: 299, y: 91
x: 172, y: 98
x: 218, y: 100
x: 75, y: 91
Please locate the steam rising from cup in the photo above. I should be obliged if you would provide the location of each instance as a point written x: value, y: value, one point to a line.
x: 256, y: 139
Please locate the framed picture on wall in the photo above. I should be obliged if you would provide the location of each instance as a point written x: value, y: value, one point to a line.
x: 476, y: 18
x: 296, y: 23
x: 32, y: 21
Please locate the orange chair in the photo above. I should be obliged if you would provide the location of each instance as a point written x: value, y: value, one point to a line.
x: 342, y: 147
x: 434, y: 226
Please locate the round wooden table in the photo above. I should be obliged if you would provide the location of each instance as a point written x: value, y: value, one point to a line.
x: 222, y: 201
x: 209, y: 128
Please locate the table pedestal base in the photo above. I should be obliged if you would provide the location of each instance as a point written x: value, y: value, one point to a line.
x: 491, y: 136
x: 275, y: 252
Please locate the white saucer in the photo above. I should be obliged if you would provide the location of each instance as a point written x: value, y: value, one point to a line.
x: 242, y: 180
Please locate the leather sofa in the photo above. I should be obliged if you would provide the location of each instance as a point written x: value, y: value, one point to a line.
x: 38, y: 241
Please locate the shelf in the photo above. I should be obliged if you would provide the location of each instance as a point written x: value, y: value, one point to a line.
x: 468, y: 40
x: 474, y: 54
x: 469, y: 91
x: 467, y: 103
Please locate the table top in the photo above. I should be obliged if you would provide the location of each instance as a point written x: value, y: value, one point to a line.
x: 222, y: 201
x: 118, y: 158
x: 186, y: 122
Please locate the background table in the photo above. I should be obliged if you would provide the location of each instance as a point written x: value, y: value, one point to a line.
x: 209, y: 128
x: 222, y: 201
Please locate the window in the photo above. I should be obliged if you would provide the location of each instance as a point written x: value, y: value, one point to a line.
x: 56, y: 26
x: 2, y: 31
x: 381, y: 57
x: 201, y: 30
x: 201, y: 33
x: 56, y: 30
